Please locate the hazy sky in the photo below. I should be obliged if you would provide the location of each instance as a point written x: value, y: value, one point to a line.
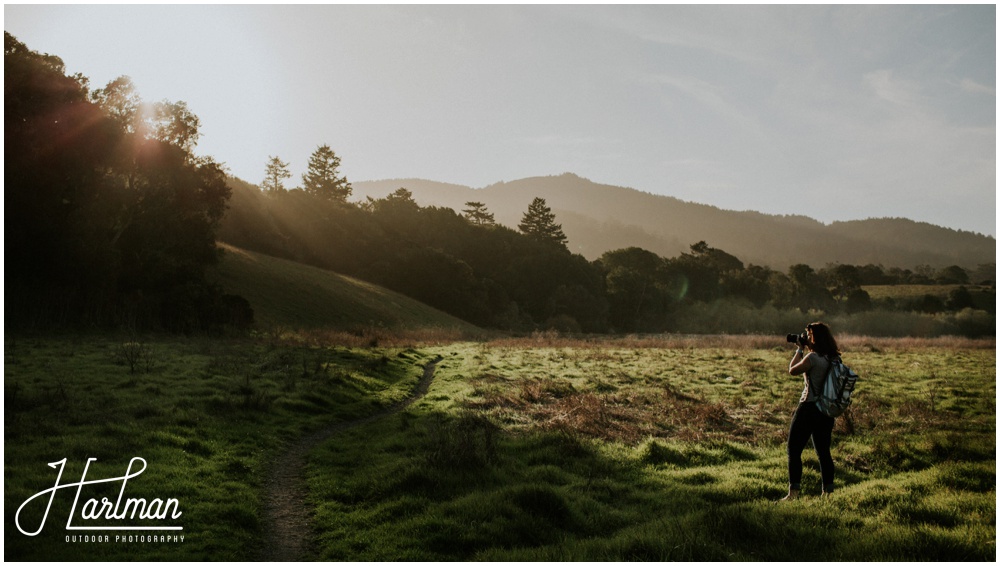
x: 837, y: 113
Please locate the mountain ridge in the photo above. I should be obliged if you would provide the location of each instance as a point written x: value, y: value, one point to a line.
x: 600, y: 217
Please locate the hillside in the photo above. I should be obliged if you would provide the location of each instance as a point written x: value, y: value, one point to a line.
x: 286, y: 293
x: 598, y: 218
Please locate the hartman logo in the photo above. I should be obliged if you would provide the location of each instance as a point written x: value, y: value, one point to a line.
x: 122, y: 513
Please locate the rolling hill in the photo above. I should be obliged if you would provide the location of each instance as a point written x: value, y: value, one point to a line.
x: 286, y: 293
x: 597, y: 218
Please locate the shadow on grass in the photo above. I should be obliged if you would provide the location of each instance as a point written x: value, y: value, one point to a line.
x: 431, y: 486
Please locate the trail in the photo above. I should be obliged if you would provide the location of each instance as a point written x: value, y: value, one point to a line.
x: 286, y: 519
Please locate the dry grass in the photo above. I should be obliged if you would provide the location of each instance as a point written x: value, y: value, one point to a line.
x: 694, y: 389
x: 371, y: 336
x: 627, y: 416
x: 630, y: 414
x: 553, y: 339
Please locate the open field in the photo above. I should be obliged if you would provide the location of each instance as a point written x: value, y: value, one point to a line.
x: 916, y: 291
x: 538, y: 448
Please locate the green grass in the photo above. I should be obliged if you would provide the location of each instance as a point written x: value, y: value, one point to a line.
x: 595, y: 452
x: 209, y: 417
x: 918, y: 291
x: 288, y: 294
x: 534, y: 449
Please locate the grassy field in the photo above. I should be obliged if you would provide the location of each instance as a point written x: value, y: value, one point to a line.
x: 287, y: 294
x: 916, y: 291
x: 982, y: 297
x: 650, y: 451
x: 208, y: 416
x: 539, y: 448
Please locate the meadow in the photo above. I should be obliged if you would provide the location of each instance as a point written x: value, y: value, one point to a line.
x: 208, y: 415
x: 533, y: 448
x: 877, y: 292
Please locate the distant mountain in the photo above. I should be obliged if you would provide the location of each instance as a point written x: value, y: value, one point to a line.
x: 597, y: 218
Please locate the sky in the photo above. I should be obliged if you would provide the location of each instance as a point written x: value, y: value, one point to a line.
x: 836, y: 113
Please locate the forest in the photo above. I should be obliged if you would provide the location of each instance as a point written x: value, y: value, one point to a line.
x: 112, y: 219
x: 110, y: 216
x: 470, y: 266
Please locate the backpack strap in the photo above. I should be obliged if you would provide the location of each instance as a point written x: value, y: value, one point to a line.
x: 829, y: 367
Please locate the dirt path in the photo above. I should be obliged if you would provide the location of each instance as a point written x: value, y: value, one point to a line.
x: 289, y: 534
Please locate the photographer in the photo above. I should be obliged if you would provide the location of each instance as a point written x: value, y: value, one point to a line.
x: 815, y: 347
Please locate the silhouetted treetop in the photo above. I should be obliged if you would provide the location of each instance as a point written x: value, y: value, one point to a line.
x: 477, y: 214
x: 540, y: 223
x: 275, y: 173
x: 322, y: 177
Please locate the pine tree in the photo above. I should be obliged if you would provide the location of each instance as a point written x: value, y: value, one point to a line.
x: 322, y: 178
x: 274, y: 175
x: 540, y: 223
x: 477, y: 214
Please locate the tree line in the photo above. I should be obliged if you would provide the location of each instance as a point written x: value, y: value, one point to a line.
x: 110, y: 216
x: 469, y: 266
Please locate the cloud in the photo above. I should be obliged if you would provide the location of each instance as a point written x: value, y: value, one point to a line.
x: 708, y: 95
x: 750, y: 35
x: 891, y: 88
x: 969, y: 85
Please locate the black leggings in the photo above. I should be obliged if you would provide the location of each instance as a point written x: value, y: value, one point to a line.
x: 808, y: 421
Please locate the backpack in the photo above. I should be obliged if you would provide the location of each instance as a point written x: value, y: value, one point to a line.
x: 835, y: 396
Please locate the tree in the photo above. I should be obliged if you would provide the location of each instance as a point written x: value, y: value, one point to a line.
x: 751, y: 284
x: 120, y: 99
x: 540, y: 223
x: 714, y: 258
x: 274, y: 175
x: 858, y: 300
x: 634, y: 286
x: 959, y: 299
x: 174, y: 123
x: 322, y: 178
x: 704, y: 274
x: 843, y: 279
x: 58, y: 144
x: 984, y: 274
x: 398, y: 201
x: 170, y: 122
x: 809, y: 291
x: 803, y: 278
x: 397, y: 213
x: 110, y: 217
x: 952, y: 275
x: 923, y: 274
x: 478, y: 215
x: 873, y: 275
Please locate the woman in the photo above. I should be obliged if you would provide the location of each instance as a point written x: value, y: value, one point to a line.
x: 811, y: 360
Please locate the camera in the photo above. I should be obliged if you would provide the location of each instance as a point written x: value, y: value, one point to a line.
x: 799, y: 339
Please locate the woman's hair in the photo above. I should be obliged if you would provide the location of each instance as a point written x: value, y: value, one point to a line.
x: 822, y: 338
